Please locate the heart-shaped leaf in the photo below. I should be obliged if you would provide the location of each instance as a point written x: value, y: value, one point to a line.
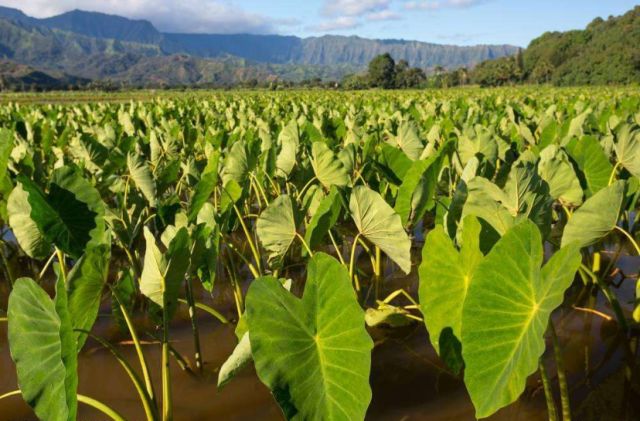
x: 140, y: 173
x: 592, y: 162
x: 327, y: 168
x: 313, y: 353
x: 506, y: 312
x: 628, y: 149
x: 288, y: 139
x: 380, y: 224
x: 554, y: 168
x: 276, y: 227
x: 324, y: 218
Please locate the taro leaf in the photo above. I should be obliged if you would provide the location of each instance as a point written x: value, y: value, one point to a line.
x: 327, y: 168
x: 236, y: 164
x: 445, y: 277
x: 483, y: 145
x: 313, y: 353
x: 396, y: 160
x: 592, y: 162
x: 164, y: 270
x: 554, y: 168
x: 204, y: 253
x: 387, y: 315
x: 324, y: 218
x: 141, y: 175
x: 412, y: 179
x: 43, y: 347
x: 6, y: 146
x: 84, y: 288
x: 206, y: 186
x: 596, y: 218
x: 289, y: 139
x: 70, y: 179
x: 276, y: 227
x: 25, y: 229
x: 506, y: 313
x: 525, y: 195
x: 61, y: 218
x: 628, y: 149
x: 380, y: 224
x: 407, y: 139
x: 238, y: 359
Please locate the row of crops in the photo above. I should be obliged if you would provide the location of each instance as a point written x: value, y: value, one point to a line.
x: 304, y: 205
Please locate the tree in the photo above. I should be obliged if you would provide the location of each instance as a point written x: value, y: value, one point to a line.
x: 382, y: 71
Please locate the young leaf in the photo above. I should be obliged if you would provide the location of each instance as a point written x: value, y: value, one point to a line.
x: 506, y: 313
x: 289, y: 139
x: 554, y: 168
x: 143, y: 179
x: 25, y: 229
x: 324, y: 218
x: 164, y: 271
x: 592, y: 162
x: 313, y: 353
x: 380, y: 224
x: 628, y: 149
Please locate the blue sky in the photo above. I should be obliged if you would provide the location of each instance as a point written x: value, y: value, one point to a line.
x: 462, y: 22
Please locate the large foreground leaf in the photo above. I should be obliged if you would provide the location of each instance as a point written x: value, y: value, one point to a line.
x: 381, y: 225
x: 506, y: 313
x: 313, y: 353
x: 596, y: 217
x: 43, y: 348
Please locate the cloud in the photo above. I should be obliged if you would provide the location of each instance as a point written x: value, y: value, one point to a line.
x: 354, y: 8
x: 383, y: 15
x: 338, y: 24
x: 193, y: 16
x: 441, y: 4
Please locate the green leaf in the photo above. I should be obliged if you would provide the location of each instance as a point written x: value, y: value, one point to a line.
x: 407, y: 139
x: 276, y: 227
x: 239, y: 358
x: 6, y: 146
x: 61, y: 218
x: 85, y: 283
x: 42, y: 345
x: 236, y: 164
x: 313, y: 353
x: 596, y: 218
x: 445, y: 277
x: 324, y: 218
x: 164, y: 270
x: 554, y: 168
x: 628, y: 149
x: 506, y: 313
x: 205, y: 187
x: 327, y: 168
x: 25, y: 229
x: 592, y: 162
x: 140, y: 173
x: 289, y: 139
x: 380, y: 224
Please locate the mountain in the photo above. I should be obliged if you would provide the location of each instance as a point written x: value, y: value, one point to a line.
x: 278, y: 49
x: 15, y: 76
x: 605, y: 52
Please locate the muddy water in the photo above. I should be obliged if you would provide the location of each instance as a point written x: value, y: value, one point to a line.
x: 408, y: 380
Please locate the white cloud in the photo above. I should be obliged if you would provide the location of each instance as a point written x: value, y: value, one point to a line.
x: 353, y: 8
x: 205, y: 16
x: 338, y: 24
x: 440, y: 4
x: 383, y: 15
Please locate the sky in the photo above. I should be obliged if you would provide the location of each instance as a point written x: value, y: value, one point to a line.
x: 461, y: 22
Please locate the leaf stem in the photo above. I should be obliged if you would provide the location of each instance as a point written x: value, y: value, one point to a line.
x: 108, y: 411
x: 63, y: 267
x: 613, y: 173
x: 351, y: 262
x: 194, y: 323
x: 631, y: 239
x: 551, y: 405
x: 562, y: 378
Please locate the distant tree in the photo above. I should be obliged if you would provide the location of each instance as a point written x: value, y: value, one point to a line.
x: 408, y: 77
x: 355, y: 82
x: 382, y: 71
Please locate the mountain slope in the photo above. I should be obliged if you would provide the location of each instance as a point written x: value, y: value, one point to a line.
x: 607, y: 51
